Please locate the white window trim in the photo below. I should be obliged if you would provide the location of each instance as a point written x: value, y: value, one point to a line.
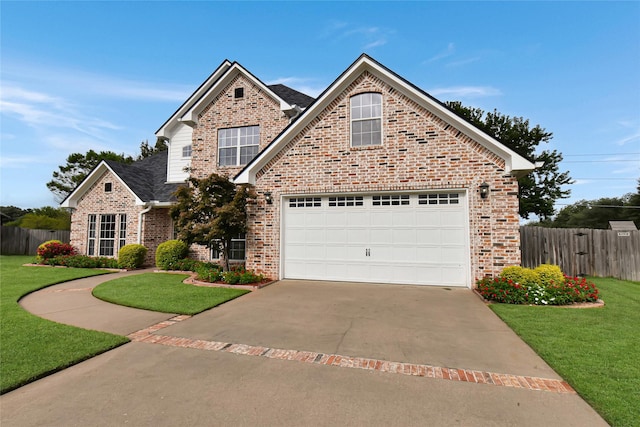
x: 119, y: 233
x: 216, y: 254
x: 189, y: 149
x: 237, y: 146
x: 352, y: 120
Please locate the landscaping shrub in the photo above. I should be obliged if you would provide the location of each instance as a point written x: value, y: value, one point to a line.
x: 521, y: 275
x: 186, y: 264
x: 208, y: 272
x: 549, y: 274
x: 239, y: 275
x: 82, y: 261
x: 131, y: 256
x: 550, y: 292
x: 54, y: 248
x: 169, y: 253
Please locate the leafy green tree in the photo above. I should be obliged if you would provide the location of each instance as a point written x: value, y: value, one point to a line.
x: 78, y: 166
x: 597, y: 213
x: 147, y: 151
x: 12, y: 213
x: 212, y: 211
x: 46, y: 218
x: 540, y: 189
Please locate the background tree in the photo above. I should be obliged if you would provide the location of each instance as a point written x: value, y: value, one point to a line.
x: 212, y: 211
x: 539, y: 189
x: 11, y: 213
x: 597, y: 213
x: 78, y: 166
x: 46, y: 218
x: 147, y: 151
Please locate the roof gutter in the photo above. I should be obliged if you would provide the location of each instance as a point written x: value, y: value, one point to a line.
x: 140, y: 215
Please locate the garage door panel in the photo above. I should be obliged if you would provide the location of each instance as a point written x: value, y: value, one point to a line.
x: 381, y: 218
x: 450, y: 218
x: 357, y: 217
x: 413, y: 243
x: 380, y: 235
x: 452, y: 237
x: 403, y: 236
x: 428, y: 236
x: 403, y: 217
x: 336, y: 219
x: 358, y: 236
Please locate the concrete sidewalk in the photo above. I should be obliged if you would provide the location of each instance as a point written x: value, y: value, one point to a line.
x: 239, y: 363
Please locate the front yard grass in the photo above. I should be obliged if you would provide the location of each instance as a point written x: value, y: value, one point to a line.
x: 596, y: 350
x: 164, y: 292
x: 32, y: 347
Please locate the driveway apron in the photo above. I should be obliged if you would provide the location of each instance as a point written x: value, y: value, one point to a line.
x: 304, y: 352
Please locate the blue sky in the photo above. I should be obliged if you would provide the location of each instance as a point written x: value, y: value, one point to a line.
x: 105, y: 75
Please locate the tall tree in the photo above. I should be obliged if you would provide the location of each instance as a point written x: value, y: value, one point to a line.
x: 78, y: 166
x: 12, y: 213
x: 539, y: 189
x: 212, y: 211
x: 147, y: 151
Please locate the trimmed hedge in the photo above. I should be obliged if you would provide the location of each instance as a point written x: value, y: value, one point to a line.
x: 131, y: 256
x: 169, y: 253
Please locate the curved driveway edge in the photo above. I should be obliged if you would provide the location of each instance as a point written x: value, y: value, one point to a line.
x: 306, y: 335
x: 73, y: 304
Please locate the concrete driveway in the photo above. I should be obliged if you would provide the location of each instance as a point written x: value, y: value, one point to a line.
x: 321, y: 353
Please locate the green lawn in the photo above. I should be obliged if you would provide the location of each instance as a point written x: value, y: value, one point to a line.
x: 32, y: 347
x: 164, y: 292
x: 596, y: 350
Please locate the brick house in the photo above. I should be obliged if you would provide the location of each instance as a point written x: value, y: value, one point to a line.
x: 373, y: 181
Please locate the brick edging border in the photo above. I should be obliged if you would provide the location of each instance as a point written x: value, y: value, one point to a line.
x: 452, y: 374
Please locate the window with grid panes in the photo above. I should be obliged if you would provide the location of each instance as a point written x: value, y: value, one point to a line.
x: 366, y: 119
x: 238, y: 146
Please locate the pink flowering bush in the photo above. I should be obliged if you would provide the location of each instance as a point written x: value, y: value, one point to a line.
x: 570, y: 290
x: 53, y: 249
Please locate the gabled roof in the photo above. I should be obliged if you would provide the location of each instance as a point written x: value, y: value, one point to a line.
x: 292, y: 96
x: 515, y: 163
x: 285, y: 96
x: 195, y: 96
x: 145, y: 179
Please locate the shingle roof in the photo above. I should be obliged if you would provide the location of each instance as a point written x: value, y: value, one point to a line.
x: 292, y: 96
x: 147, y: 177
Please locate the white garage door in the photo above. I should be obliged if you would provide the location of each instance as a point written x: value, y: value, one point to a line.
x: 386, y: 238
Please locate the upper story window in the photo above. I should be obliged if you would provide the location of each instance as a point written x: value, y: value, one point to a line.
x: 186, y: 151
x: 238, y: 146
x: 366, y: 119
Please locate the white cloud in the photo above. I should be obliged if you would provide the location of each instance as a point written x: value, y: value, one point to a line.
x: 42, y: 111
x: 456, y: 92
x: 449, y: 51
x: 20, y: 162
x: 90, y: 83
x: 628, y: 139
x: 368, y: 36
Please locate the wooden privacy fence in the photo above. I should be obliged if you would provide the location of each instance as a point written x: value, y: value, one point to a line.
x: 24, y: 241
x: 583, y: 251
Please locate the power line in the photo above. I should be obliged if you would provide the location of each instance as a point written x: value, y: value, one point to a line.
x: 601, y: 154
x: 601, y: 161
x: 608, y: 179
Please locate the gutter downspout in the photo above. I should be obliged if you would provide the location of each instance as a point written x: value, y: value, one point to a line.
x: 142, y: 212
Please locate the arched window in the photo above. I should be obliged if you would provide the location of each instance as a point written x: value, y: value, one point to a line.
x: 366, y: 119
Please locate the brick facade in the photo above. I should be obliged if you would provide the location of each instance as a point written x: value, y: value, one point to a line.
x: 157, y: 224
x: 419, y: 152
x: 226, y: 111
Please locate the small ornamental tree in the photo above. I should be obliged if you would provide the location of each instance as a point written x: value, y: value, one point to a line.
x: 212, y: 211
